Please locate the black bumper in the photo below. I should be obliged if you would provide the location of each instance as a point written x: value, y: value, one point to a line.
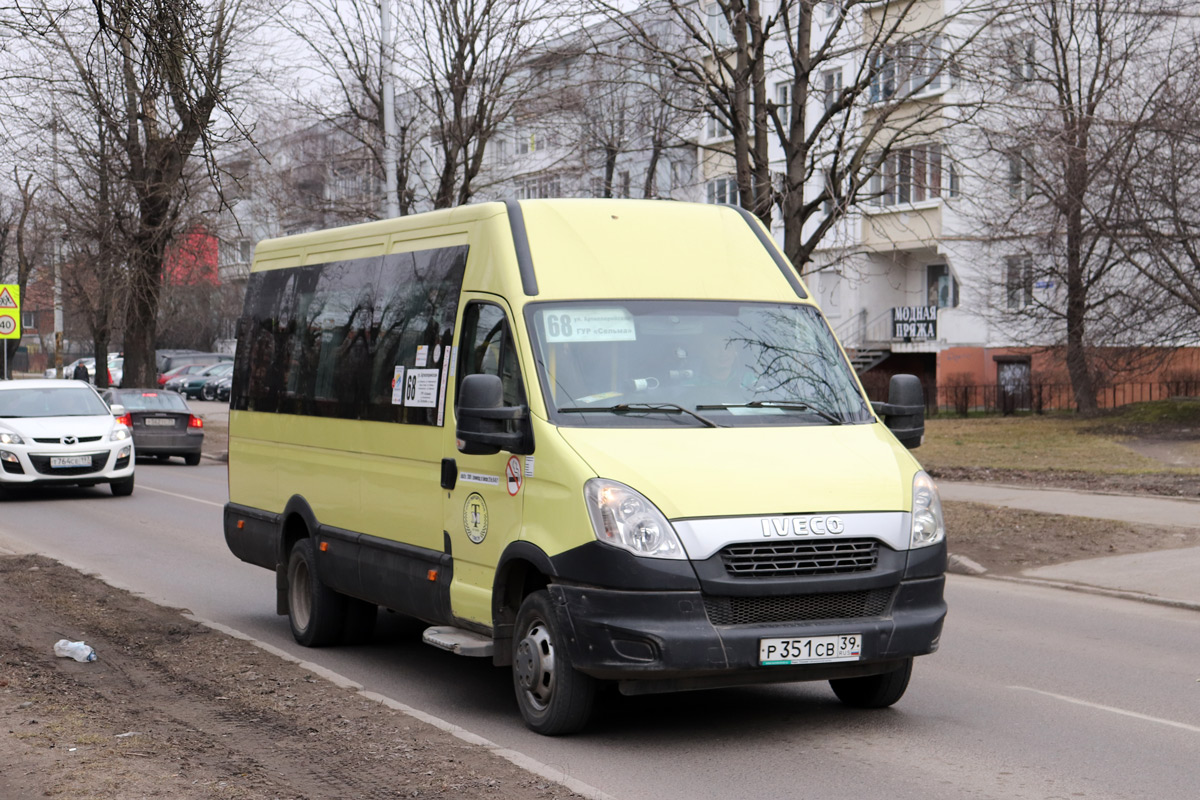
x: 667, y: 640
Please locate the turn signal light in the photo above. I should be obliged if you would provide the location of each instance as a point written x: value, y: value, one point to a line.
x: 195, y: 422
x: 432, y: 575
x: 126, y: 420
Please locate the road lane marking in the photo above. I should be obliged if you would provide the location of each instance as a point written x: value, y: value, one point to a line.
x: 1111, y: 709
x: 184, y: 496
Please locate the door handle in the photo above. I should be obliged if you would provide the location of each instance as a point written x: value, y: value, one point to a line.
x: 449, y: 474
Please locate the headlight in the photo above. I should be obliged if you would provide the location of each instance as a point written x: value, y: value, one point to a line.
x: 119, y: 434
x: 928, y: 526
x: 8, y: 437
x: 624, y: 518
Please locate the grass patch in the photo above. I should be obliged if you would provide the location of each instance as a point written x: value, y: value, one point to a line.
x: 1062, y: 442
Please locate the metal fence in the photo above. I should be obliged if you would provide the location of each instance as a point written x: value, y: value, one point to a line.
x: 1039, y: 398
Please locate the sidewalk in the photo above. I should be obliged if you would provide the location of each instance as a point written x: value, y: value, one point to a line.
x: 1171, y: 577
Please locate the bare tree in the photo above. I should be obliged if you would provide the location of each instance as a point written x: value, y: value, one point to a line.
x: 846, y: 95
x: 152, y: 77
x: 1159, y: 223
x: 1074, y: 85
x: 345, y: 43
x: 25, y: 241
x: 469, y: 63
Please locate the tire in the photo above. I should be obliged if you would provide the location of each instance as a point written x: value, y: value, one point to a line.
x: 554, y: 699
x: 873, y: 691
x: 314, y: 610
x: 122, y: 488
x: 359, y: 625
x: 208, y: 392
x: 191, y: 459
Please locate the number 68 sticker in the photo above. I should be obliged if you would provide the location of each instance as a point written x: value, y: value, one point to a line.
x: 588, y: 325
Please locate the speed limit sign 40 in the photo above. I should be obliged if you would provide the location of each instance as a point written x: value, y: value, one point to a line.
x: 8, y: 325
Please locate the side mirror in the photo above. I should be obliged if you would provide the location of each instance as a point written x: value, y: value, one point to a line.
x: 481, y: 417
x: 904, y: 412
x: 117, y: 410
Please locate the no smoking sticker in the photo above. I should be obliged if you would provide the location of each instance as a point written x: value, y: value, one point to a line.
x: 514, y: 475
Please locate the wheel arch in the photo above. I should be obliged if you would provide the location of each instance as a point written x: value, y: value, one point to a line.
x: 523, y: 569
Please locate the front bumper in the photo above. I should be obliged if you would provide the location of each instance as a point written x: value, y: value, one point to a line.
x: 26, y: 466
x: 657, y: 641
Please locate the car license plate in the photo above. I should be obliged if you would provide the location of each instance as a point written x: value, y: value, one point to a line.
x: 159, y: 421
x: 810, y: 650
x: 70, y: 461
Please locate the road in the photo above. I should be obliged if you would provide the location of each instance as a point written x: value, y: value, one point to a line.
x: 1036, y: 692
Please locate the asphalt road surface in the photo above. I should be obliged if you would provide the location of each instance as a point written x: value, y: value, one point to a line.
x: 1036, y: 692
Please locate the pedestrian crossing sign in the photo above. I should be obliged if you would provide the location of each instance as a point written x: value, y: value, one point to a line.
x: 10, y: 311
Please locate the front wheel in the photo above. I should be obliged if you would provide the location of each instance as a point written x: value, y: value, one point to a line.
x: 122, y: 488
x: 873, y: 691
x: 554, y: 699
x: 314, y: 610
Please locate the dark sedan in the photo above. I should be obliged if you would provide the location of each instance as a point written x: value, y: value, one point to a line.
x: 194, y: 385
x: 162, y: 423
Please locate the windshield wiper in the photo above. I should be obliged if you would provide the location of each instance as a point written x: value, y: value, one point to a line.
x: 785, y: 405
x: 633, y: 408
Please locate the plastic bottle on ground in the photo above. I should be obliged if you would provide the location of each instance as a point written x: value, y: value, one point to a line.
x: 65, y: 648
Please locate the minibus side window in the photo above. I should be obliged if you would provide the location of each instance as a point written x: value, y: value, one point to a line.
x: 487, y: 349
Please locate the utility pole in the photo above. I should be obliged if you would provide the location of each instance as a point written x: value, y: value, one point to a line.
x: 58, y: 257
x: 389, y: 109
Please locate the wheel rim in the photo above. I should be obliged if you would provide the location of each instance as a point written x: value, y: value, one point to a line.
x: 299, y: 598
x: 534, y: 665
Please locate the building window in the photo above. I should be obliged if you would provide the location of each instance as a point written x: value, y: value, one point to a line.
x: 245, y: 250
x: 722, y: 190
x: 1018, y: 281
x: 831, y: 86
x: 597, y: 186
x: 718, y: 26
x: 942, y: 287
x: 538, y: 187
x: 1022, y: 59
x: 715, y: 128
x: 29, y: 320
x: 623, y: 182
x: 1020, y: 175
x: 913, y: 175
x: 783, y: 101
x: 908, y: 68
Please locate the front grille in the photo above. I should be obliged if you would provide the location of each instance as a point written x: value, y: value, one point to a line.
x: 790, y: 559
x: 42, y: 465
x: 797, y: 607
x: 58, y: 440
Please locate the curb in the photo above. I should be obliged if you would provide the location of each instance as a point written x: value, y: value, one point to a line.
x: 961, y: 565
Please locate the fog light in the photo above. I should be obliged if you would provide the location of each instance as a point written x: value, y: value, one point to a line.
x: 9, y: 457
x: 125, y: 451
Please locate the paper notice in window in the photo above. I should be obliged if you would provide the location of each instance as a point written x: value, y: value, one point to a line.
x: 398, y: 387
x: 421, y: 388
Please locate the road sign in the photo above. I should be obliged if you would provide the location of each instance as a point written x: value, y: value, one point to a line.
x: 10, y: 311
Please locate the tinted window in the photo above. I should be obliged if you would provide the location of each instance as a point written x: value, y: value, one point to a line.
x: 335, y: 340
x: 150, y: 401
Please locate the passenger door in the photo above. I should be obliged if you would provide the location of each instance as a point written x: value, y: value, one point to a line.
x: 483, y: 510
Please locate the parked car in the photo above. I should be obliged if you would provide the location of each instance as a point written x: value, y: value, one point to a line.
x: 224, y: 388
x: 167, y: 360
x: 183, y: 369
x: 55, y: 432
x: 193, y: 385
x: 116, y: 371
x: 162, y: 423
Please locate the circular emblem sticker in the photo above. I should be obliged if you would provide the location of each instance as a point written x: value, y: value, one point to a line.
x: 475, y: 517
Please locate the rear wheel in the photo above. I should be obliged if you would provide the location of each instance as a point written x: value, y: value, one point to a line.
x: 554, y: 699
x: 314, y: 610
x: 873, y: 691
x: 191, y: 459
x: 208, y: 392
x: 122, y: 488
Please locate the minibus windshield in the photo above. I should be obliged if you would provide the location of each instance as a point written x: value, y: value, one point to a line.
x: 671, y: 363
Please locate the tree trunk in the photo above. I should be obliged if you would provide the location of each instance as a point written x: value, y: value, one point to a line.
x: 1082, y: 381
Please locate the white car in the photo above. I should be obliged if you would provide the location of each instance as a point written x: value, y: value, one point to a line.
x: 55, y: 432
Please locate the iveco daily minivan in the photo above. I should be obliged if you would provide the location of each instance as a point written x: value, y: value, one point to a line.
x: 591, y: 440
